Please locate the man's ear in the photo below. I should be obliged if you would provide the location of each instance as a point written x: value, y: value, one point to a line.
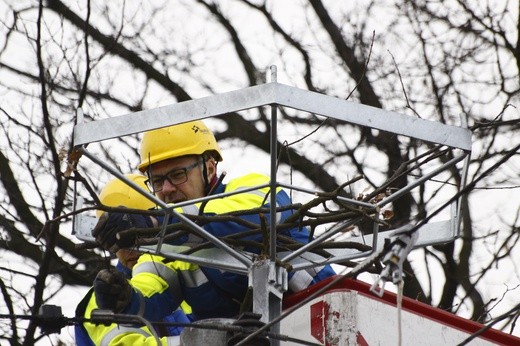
x: 211, y: 167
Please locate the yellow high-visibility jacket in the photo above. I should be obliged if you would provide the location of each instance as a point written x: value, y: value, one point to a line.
x: 219, y: 293
x: 154, y: 300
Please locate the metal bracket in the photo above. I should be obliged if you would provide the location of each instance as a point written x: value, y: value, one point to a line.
x: 403, y: 241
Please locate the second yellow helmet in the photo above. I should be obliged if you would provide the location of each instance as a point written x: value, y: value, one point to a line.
x: 117, y: 193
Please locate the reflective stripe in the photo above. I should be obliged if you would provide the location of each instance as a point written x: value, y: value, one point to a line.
x: 315, y: 270
x: 190, y: 209
x: 119, y: 330
x: 255, y: 192
x: 173, y: 340
x: 278, y: 215
x: 262, y: 194
x: 299, y: 281
x: 142, y: 305
x: 167, y: 274
x: 303, y: 278
x: 193, y: 278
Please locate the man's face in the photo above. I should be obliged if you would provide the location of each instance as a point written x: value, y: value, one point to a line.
x: 127, y: 257
x: 192, y: 188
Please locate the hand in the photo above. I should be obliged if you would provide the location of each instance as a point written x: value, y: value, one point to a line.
x: 112, y: 290
x: 110, y: 224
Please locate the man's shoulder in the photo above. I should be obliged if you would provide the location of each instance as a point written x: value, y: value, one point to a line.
x: 249, y: 179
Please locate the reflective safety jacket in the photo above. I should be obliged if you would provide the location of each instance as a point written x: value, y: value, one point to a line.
x: 217, y: 293
x: 154, y: 300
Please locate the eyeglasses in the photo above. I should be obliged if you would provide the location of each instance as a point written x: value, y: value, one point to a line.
x: 176, y: 176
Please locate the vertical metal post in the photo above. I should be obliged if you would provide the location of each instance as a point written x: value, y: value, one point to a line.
x: 79, y: 119
x: 274, y: 149
x: 273, y: 298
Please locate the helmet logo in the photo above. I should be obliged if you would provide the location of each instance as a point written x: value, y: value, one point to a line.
x: 196, y: 129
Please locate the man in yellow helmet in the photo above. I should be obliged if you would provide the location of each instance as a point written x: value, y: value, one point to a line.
x: 181, y: 164
x: 128, y: 290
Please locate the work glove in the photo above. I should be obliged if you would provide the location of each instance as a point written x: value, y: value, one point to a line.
x: 178, y: 316
x: 109, y: 224
x: 112, y: 290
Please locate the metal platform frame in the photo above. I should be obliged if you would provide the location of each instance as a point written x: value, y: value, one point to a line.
x: 267, y: 297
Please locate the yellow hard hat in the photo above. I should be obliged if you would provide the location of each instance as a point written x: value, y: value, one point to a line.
x: 191, y: 138
x: 117, y: 193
